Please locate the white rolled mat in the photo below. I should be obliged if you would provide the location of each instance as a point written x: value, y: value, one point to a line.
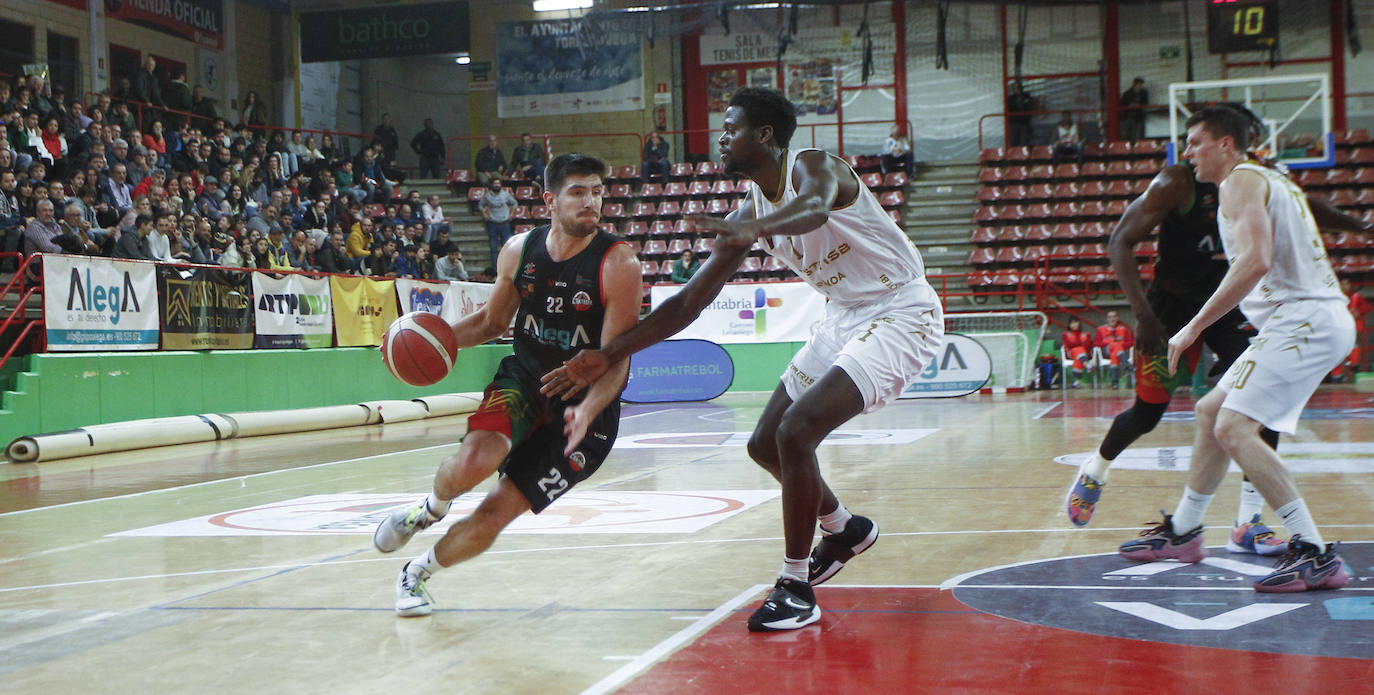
x: 209, y: 427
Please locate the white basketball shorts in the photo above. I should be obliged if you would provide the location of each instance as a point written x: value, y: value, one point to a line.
x: 1296, y: 348
x: 882, y: 346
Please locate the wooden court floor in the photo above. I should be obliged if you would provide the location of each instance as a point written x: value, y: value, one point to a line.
x: 247, y: 566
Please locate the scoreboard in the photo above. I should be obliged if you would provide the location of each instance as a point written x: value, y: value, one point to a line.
x: 1242, y: 25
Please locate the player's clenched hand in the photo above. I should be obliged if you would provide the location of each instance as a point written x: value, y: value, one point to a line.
x: 575, y: 423
x: 1179, y: 344
x: 575, y: 374
x: 738, y: 232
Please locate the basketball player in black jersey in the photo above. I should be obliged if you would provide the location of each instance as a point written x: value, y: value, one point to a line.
x: 1189, y: 268
x: 568, y: 286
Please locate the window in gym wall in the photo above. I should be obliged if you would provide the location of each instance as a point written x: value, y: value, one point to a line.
x: 64, y: 62
x: 16, y: 47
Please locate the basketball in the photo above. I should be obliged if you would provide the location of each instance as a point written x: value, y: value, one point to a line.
x: 419, y: 348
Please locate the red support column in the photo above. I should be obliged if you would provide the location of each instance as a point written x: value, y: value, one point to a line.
x: 694, y: 116
x: 1337, y: 10
x: 899, y: 64
x: 1111, y: 54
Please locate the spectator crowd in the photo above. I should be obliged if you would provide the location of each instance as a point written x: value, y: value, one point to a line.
x: 192, y: 187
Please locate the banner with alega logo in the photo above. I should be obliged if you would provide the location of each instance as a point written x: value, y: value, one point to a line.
x: 205, y: 309
x: 451, y: 300
x: 293, y: 311
x: 773, y: 312
x: 363, y: 309
x: 99, y: 304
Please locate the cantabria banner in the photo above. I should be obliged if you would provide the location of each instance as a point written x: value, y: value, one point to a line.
x: 773, y: 312
x: 99, y: 304
x: 451, y: 300
x: 293, y: 311
x: 363, y: 309
x: 205, y: 309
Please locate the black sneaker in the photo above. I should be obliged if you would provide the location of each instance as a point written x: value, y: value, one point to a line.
x: 835, y: 549
x: 790, y: 605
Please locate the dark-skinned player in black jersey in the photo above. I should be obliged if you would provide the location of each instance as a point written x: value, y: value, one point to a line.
x: 1189, y: 268
x: 568, y: 286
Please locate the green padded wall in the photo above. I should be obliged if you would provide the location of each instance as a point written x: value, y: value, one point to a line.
x: 61, y: 391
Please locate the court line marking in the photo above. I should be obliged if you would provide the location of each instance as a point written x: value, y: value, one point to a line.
x: 1046, y: 410
x: 623, y: 674
x: 226, y: 480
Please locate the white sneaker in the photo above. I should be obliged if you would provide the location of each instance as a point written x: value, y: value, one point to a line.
x: 412, y: 598
x: 395, y: 530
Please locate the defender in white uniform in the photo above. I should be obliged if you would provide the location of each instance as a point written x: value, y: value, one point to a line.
x: 883, y: 324
x: 1280, y: 276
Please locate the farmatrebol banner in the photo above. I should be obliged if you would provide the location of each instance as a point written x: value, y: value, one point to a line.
x: 205, y: 309
x: 363, y: 309
x: 770, y: 312
x: 564, y: 66
x: 293, y: 311
x: 451, y: 300
x: 99, y: 304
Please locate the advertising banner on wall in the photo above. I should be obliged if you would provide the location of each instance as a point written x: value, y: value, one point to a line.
x: 363, y: 309
x: 384, y: 31
x: 451, y: 300
x: 961, y: 366
x: 201, y: 21
x: 205, y: 309
x: 771, y: 312
x: 568, y: 66
x: 99, y: 304
x: 293, y: 311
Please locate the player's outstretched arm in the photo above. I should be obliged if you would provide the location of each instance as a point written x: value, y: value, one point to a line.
x: 491, y: 321
x: 621, y: 281
x: 1327, y: 216
x: 818, y: 178
x: 1170, y: 190
x: 675, y: 314
x: 1242, y: 201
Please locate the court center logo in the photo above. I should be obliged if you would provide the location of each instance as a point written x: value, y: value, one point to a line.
x: 1208, y: 604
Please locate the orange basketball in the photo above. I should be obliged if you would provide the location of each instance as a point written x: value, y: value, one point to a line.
x: 419, y: 348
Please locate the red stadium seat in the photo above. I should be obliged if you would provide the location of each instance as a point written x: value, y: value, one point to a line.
x: 992, y: 154
x: 1011, y: 235
x: 1119, y: 169
x: 1094, y: 250
x: 1147, y: 167
x: 1008, y: 255
x: 706, y: 169
x: 982, y: 256
x: 522, y: 228
x: 986, y: 213
x: 722, y: 187
x: 983, y: 235
x: 681, y: 171
x: 459, y: 176
x: 539, y: 212
x: 1119, y: 149
x: 651, y: 191
x: 1016, y: 173
x: 608, y: 227
x: 1365, y: 177
x: 637, y: 229
x: 699, y: 189
x: 1116, y: 208
x: 524, y: 193
x: 1092, y: 208
x: 990, y: 194
x: 1065, y: 191
x: 1038, y: 211
x: 1066, y: 210
x: 1093, y: 170
x: 1039, y: 232
x: 1066, y: 171
x: 669, y: 209
x: 675, y: 189
x: 694, y: 207
x: 1093, y: 230
x: 772, y: 265
x: 677, y: 246
x: 1039, y: 191
x: 894, y: 179
x: 1147, y: 147
x: 990, y: 175
x: 704, y: 246
x: 892, y: 199
x: 718, y: 206
x: 634, y: 246
x: 751, y: 264
x: 872, y: 179
x: 661, y: 228
x: 1119, y: 189
x: 1066, y: 230
x: 628, y: 172
x: 1035, y: 254
x: 644, y: 210
x: 895, y: 216
x: 618, y: 191
x: 1341, y: 198
x: 1018, y: 154
x: 1092, y: 189
x: 1340, y: 177
x: 521, y: 212
x: 1310, y: 178
x: 665, y: 268
x: 1041, y: 153
x: 684, y: 228
x: 1042, y: 172
x: 612, y: 211
x: 1352, y: 137
x: 655, y: 248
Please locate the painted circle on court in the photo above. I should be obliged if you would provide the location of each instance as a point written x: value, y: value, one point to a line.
x: 1300, y: 457
x: 1208, y: 604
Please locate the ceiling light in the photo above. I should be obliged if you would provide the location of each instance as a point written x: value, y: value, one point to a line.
x: 556, y: 5
x: 463, y: 59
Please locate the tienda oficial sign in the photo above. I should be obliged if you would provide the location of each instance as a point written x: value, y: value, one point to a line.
x: 200, y: 21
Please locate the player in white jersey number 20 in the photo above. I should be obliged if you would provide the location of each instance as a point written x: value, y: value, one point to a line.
x: 1280, y: 277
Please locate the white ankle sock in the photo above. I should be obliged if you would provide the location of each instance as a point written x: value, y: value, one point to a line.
x: 834, y: 521
x: 1192, y: 506
x: 1251, y: 503
x: 1299, y: 522
x: 436, y: 507
x: 795, y: 569
x: 425, y: 563
x: 1096, y: 467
